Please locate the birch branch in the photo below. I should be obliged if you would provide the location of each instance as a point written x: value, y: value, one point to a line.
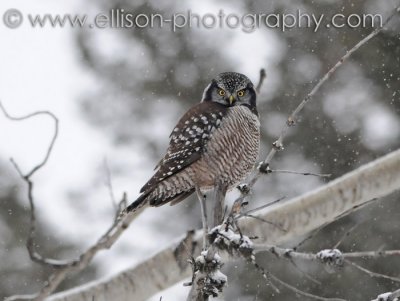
x: 298, y: 217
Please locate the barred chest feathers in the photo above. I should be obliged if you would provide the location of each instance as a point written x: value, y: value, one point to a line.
x: 231, y: 152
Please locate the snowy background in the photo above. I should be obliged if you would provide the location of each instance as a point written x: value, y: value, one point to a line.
x: 119, y: 92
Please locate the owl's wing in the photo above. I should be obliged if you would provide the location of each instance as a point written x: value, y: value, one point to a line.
x: 188, y: 140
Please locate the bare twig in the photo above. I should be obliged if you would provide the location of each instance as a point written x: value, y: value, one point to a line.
x: 264, y: 221
x: 110, y: 186
x: 308, y: 237
x: 303, y: 293
x: 266, y: 275
x: 345, y: 236
x: 261, y: 207
x: 52, y: 142
x: 323, y: 175
x: 371, y: 273
x: 304, y: 273
x: 35, y: 256
x: 263, y: 75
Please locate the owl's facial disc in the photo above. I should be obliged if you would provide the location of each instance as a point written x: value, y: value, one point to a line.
x: 231, y: 89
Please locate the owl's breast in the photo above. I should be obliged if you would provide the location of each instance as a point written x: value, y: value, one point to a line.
x: 231, y: 152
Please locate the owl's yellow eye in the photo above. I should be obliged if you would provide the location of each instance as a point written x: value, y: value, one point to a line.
x: 240, y: 93
x: 221, y: 92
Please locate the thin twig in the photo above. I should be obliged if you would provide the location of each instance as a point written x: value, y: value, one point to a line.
x: 323, y: 175
x: 263, y: 75
x: 303, y: 272
x: 52, y: 142
x: 30, y: 243
x: 371, y: 273
x: 345, y: 236
x: 110, y: 186
x: 266, y: 275
x: 263, y: 206
x: 303, y: 293
x: 309, y: 237
x: 264, y: 221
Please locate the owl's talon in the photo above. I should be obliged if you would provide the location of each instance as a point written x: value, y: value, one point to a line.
x: 291, y: 121
x: 277, y: 145
x: 264, y: 168
x: 243, y: 188
x: 244, y: 204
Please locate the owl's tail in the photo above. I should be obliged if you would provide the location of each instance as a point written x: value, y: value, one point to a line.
x: 139, y: 203
x: 158, y: 200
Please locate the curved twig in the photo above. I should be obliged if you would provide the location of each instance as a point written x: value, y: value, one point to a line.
x: 51, y: 144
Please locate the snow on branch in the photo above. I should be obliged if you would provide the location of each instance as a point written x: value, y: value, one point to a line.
x: 389, y: 296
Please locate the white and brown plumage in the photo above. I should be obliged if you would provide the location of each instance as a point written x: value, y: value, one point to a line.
x: 215, y: 142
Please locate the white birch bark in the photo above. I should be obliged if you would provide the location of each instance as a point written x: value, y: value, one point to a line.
x: 297, y: 216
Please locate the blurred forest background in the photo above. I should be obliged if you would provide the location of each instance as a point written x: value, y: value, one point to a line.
x: 147, y: 78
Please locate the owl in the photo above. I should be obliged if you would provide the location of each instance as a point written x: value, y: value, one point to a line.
x: 216, y: 142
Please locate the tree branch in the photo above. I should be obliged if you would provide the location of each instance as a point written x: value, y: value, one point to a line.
x: 298, y: 217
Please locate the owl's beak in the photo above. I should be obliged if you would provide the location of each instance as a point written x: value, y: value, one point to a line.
x: 231, y: 99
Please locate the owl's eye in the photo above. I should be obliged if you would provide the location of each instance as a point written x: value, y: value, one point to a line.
x: 221, y: 92
x: 240, y: 93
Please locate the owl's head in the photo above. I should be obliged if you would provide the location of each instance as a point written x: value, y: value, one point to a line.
x: 231, y: 89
